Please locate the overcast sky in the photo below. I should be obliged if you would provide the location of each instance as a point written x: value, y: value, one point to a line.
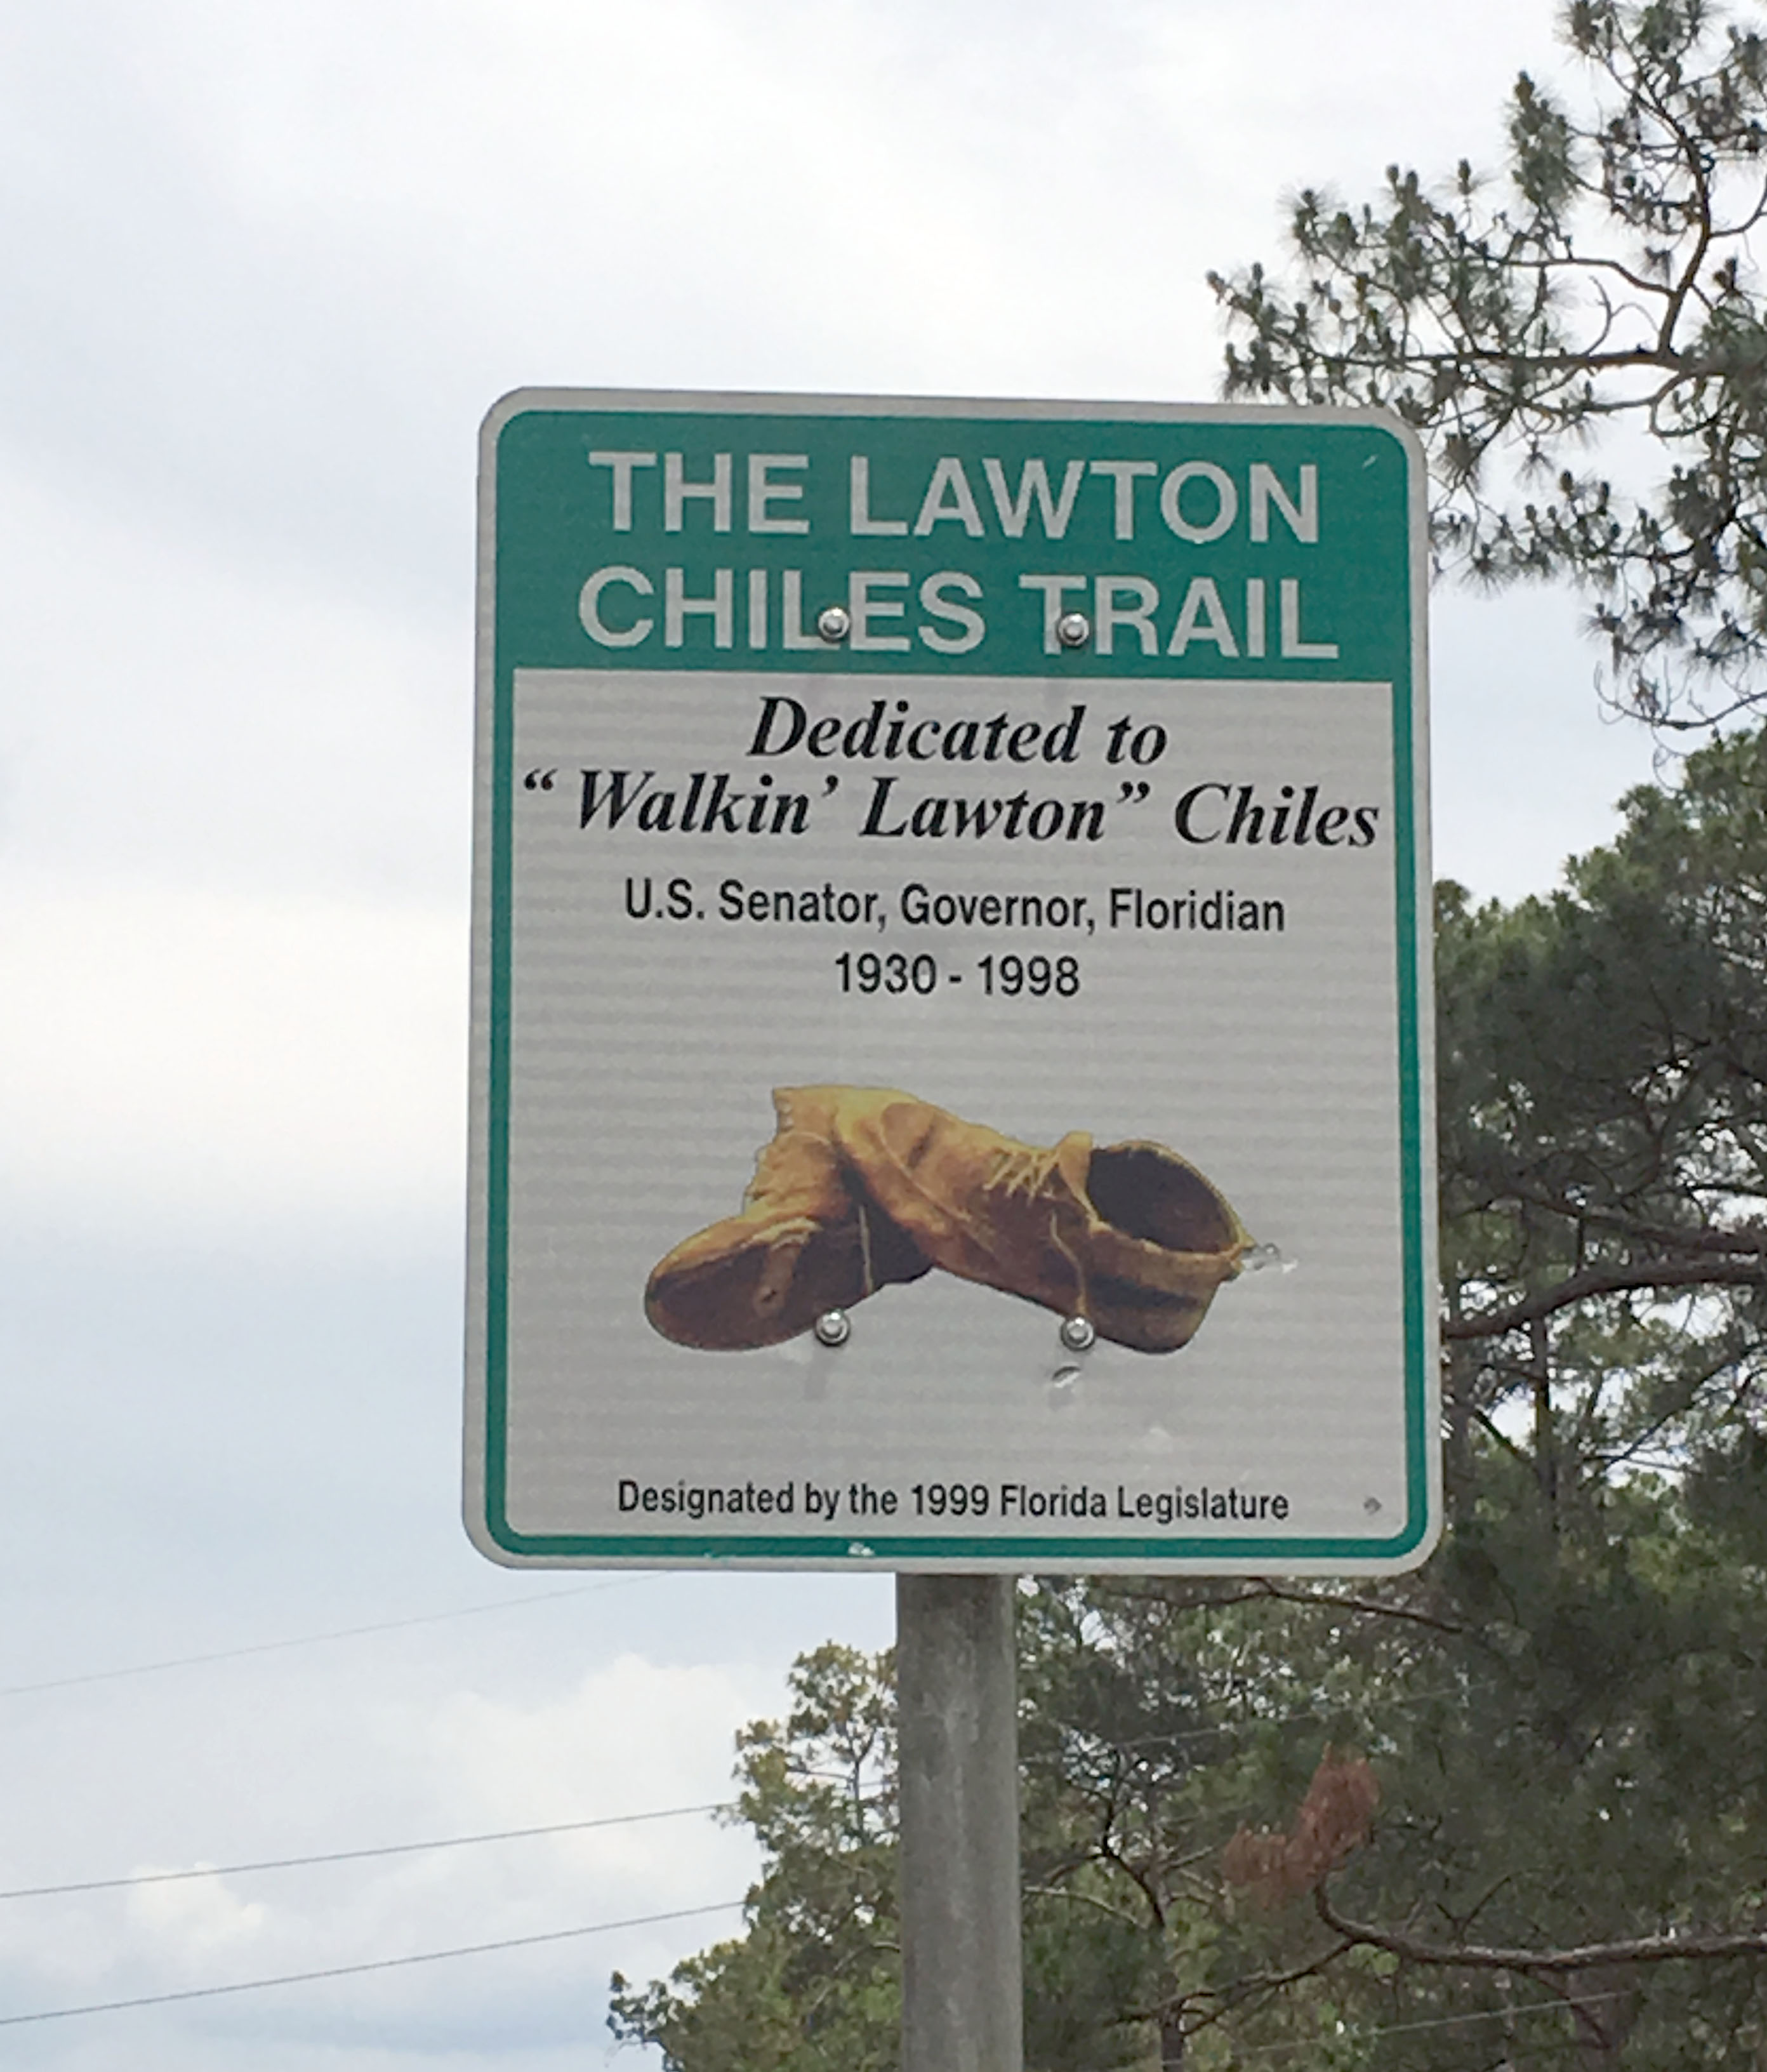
x: 265, y: 267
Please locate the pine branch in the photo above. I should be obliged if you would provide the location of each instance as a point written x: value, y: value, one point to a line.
x: 1343, y: 1601
x: 1750, y: 1239
x: 1260, y: 1588
x: 1604, y: 1280
x: 1192, y: 2009
x: 1481, y: 1957
x: 1084, y: 1899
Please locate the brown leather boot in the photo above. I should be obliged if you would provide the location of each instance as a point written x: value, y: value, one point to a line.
x: 805, y: 1242
x: 1131, y: 1237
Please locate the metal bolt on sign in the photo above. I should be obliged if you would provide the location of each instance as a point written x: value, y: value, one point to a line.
x: 1073, y: 629
x: 834, y: 621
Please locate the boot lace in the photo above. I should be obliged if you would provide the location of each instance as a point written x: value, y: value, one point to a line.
x: 1023, y: 1170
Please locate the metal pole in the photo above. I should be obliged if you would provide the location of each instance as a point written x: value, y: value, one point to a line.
x: 956, y: 1698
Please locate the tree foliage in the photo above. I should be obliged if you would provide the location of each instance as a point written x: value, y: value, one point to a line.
x: 1561, y: 1714
x: 812, y: 1985
x: 1604, y: 283
x: 1534, y: 1836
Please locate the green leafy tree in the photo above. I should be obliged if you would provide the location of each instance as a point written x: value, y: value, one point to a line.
x: 812, y: 1985
x: 1564, y: 1708
x: 1561, y: 1715
x: 1605, y: 282
x: 1562, y: 1712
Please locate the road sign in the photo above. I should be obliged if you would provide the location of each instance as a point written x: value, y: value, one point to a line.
x: 951, y: 1038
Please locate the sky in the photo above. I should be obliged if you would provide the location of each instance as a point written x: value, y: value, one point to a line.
x: 266, y: 269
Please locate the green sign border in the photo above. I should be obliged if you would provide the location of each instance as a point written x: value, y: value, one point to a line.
x: 487, y: 1513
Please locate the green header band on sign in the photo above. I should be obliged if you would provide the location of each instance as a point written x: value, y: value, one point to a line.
x: 641, y: 539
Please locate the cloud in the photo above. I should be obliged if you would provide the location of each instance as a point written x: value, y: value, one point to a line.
x: 631, y: 1719
x: 174, y: 712
x: 268, y: 269
x: 205, y: 1060
x: 631, y: 1735
x: 233, y: 840
x: 196, y: 1919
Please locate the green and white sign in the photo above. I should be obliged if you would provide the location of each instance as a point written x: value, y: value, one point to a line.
x: 951, y: 1067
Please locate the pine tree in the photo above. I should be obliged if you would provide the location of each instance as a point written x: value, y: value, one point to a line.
x: 1605, y: 284
x: 1534, y: 1834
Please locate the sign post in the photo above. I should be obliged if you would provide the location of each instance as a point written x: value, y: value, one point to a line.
x: 957, y: 1759
x: 951, y: 1038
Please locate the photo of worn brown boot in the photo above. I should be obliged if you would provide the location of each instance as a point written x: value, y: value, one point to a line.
x: 1130, y: 1236
x: 805, y: 1242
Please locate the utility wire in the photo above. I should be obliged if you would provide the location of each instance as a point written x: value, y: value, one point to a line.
x: 1252, y: 1721
x: 352, y: 1970
x: 360, y: 1856
x: 1437, y: 2021
x: 870, y: 1796
x: 313, y: 1639
x: 688, y: 1913
x: 413, y: 1848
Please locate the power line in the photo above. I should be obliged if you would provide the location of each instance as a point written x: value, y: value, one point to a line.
x: 555, y: 1827
x: 689, y: 1913
x: 1437, y: 2021
x: 1252, y: 1721
x: 359, y: 1855
x: 412, y: 1849
x: 313, y: 1639
x: 352, y: 1970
